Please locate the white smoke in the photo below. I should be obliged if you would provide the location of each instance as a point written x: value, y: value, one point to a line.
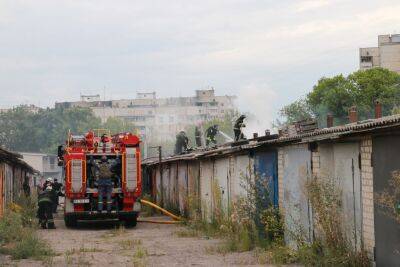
x: 257, y: 101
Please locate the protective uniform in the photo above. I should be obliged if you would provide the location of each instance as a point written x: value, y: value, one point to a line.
x: 44, y: 212
x: 237, y: 128
x: 182, y: 142
x: 210, y: 135
x: 197, y: 136
x: 57, y: 192
x: 105, y: 185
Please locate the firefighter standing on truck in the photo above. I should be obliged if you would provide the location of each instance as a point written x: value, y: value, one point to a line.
x: 45, y: 210
x: 105, y: 184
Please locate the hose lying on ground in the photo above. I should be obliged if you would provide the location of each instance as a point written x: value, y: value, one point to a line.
x: 173, y: 216
x: 157, y: 221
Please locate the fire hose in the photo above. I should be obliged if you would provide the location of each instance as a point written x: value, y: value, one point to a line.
x: 176, y: 219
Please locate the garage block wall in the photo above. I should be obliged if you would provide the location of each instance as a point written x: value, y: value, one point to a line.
x: 367, y: 194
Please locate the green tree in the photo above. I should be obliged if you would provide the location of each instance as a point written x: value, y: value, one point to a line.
x: 21, y: 130
x: 337, y: 94
x: 117, y: 125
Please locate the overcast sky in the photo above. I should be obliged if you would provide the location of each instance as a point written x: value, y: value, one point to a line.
x: 269, y: 53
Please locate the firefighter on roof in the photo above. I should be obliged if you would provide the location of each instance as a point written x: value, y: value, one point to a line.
x: 45, y: 210
x: 197, y: 136
x: 237, y: 128
x: 211, y: 132
x: 182, y: 142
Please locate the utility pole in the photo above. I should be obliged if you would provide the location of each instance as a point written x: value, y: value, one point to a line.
x: 159, y: 148
x: 161, y: 176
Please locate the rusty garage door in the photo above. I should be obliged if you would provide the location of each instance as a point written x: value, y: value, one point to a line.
x: 385, y: 160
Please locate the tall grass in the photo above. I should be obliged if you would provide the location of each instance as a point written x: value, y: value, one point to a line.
x: 246, y: 224
x: 18, y: 236
x: 389, y: 199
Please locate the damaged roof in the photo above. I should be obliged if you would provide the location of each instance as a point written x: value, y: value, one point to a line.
x: 15, y: 159
x: 370, y: 125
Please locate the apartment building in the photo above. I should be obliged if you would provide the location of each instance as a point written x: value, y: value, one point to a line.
x: 386, y: 55
x: 159, y: 119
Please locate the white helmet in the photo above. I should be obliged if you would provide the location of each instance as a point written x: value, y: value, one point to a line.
x: 49, y: 179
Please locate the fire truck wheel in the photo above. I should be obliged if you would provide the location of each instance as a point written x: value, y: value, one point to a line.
x: 70, y: 221
x: 130, y: 222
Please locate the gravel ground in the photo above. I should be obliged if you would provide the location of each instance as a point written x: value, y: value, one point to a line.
x: 102, y: 244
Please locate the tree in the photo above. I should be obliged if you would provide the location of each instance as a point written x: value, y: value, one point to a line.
x: 337, y: 94
x: 21, y: 130
x: 117, y: 125
x: 296, y: 111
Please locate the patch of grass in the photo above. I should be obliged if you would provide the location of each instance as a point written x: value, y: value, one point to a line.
x: 89, y: 250
x: 31, y: 247
x: 129, y: 243
x: 117, y: 231
x: 18, y: 236
x: 140, y: 252
x: 187, y: 233
x: 139, y: 256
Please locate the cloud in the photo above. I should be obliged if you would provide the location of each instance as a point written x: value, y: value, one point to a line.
x: 310, y: 5
x: 56, y: 49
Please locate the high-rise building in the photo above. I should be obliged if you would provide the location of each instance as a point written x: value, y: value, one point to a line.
x: 160, y: 119
x: 386, y: 55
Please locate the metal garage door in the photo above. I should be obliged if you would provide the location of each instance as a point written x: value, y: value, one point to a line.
x: 267, y: 178
x: 296, y: 172
x: 385, y: 159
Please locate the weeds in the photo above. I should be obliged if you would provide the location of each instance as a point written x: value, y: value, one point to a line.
x: 129, y: 243
x: 389, y: 199
x: 18, y: 236
x: 139, y: 256
x: 245, y: 225
x: 331, y: 246
x: 188, y: 233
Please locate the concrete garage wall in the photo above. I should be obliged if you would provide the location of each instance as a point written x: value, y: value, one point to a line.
x: 242, y: 166
x: 206, y: 179
x: 182, y: 185
x: 357, y: 158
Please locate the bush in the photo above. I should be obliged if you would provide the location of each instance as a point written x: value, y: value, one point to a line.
x: 18, y: 236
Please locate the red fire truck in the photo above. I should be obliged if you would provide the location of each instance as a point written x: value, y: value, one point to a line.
x: 78, y: 158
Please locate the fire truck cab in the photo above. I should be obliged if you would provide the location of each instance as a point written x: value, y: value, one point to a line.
x: 79, y: 158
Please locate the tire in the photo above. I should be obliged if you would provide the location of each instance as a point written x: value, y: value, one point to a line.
x: 130, y: 222
x: 70, y: 221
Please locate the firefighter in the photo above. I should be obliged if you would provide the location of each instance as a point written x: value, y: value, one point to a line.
x: 105, y: 184
x: 45, y: 204
x: 49, y: 181
x: 211, y: 132
x: 57, y: 192
x: 237, y: 128
x: 197, y: 136
x: 182, y: 142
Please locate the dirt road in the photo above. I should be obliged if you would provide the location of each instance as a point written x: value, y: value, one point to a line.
x: 145, y: 245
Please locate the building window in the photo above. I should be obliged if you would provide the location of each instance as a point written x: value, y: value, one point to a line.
x: 366, y: 59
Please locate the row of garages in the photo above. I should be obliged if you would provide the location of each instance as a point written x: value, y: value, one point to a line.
x: 357, y: 158
x: 13, y: 172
